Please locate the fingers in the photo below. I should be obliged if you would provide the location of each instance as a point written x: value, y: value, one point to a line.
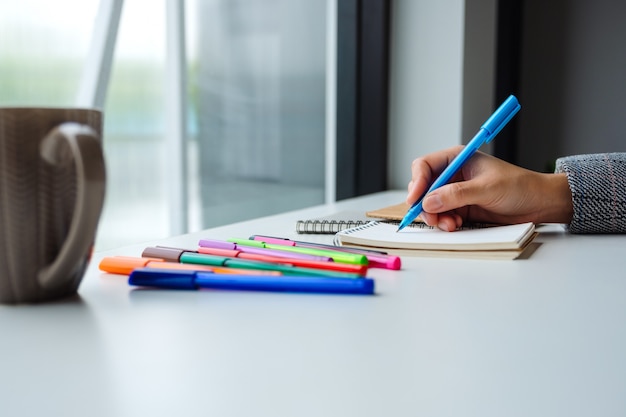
x: 441, y: 205
x: 425, y: 169
x: 448, y: 222
x: 453, y: 196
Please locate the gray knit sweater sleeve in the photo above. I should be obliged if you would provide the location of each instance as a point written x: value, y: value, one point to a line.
x: 598, y: 185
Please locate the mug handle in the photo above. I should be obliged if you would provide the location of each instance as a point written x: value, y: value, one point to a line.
x: 86, y: 151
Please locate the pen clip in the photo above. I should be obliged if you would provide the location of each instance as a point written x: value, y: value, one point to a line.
x: 501, y: 117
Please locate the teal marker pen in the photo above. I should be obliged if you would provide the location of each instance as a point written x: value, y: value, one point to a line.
x: 223, y: 261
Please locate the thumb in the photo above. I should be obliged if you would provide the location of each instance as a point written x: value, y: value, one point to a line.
x: 450, y: 197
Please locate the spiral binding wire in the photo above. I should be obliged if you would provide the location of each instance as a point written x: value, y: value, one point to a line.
x: 327, y: 226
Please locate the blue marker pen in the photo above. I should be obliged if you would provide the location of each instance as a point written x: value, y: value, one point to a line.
x: 193, y: 280
x: 487, y: 132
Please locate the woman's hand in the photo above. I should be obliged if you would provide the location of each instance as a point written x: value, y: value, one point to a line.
x: 490, y: 190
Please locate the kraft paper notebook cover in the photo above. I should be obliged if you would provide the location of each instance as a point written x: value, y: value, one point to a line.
x: 495, y: 242
x: 394, y: 212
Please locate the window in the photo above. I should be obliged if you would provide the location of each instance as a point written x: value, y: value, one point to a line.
x: 256, y: 110
x: 257, y: 84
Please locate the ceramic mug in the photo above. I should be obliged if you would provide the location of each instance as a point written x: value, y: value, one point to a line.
x: 52, y: 186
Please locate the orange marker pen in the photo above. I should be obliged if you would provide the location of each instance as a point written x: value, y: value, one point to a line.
x: 124, y: 265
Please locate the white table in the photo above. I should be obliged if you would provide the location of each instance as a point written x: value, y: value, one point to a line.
x: 545, y: 336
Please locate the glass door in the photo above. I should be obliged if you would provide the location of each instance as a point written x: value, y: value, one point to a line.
x: 257, y: 74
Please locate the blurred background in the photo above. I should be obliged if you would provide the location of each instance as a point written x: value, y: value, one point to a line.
x: 292, y: 103
x: 255, y: 111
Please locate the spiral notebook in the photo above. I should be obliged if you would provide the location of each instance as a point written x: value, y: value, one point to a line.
x: 480, y: 241
x: 333, y: 223
x: 349, y: 219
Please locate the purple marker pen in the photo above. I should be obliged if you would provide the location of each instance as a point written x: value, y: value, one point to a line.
x: 219, y: 244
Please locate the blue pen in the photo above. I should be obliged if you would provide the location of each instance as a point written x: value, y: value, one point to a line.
x: 193, y: 280
x: 487, y: 132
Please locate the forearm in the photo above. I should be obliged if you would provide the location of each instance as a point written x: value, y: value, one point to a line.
x: 598, y: 189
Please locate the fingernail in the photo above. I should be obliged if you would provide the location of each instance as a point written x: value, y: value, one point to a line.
x: 443, y: 226
x: 432, y: 203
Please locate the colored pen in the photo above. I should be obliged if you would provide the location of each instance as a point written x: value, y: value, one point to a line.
x: 487, y: 132
x: 165, y: 253
x: 124, y: 265
x: 174, y: 255
x: 338, y: 256
x: 193, y: 280
x: 221, y: 244
x: 376, y: 259
x: 333, y: 266
x: 213, y: 260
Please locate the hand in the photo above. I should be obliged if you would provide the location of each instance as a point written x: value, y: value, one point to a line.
x: 490, y: 190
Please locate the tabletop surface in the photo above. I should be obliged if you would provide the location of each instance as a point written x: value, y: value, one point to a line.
x: 543, y: 336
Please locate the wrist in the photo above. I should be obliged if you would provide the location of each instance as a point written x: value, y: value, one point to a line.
x: 558, y: 206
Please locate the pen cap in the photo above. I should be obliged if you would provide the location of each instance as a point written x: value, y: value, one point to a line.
x: 152, y: 277
x: 203, y: 259
x: 123, y: 265
x: 501, y: 117
x: 217, y: 244
x: 167, y: 254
